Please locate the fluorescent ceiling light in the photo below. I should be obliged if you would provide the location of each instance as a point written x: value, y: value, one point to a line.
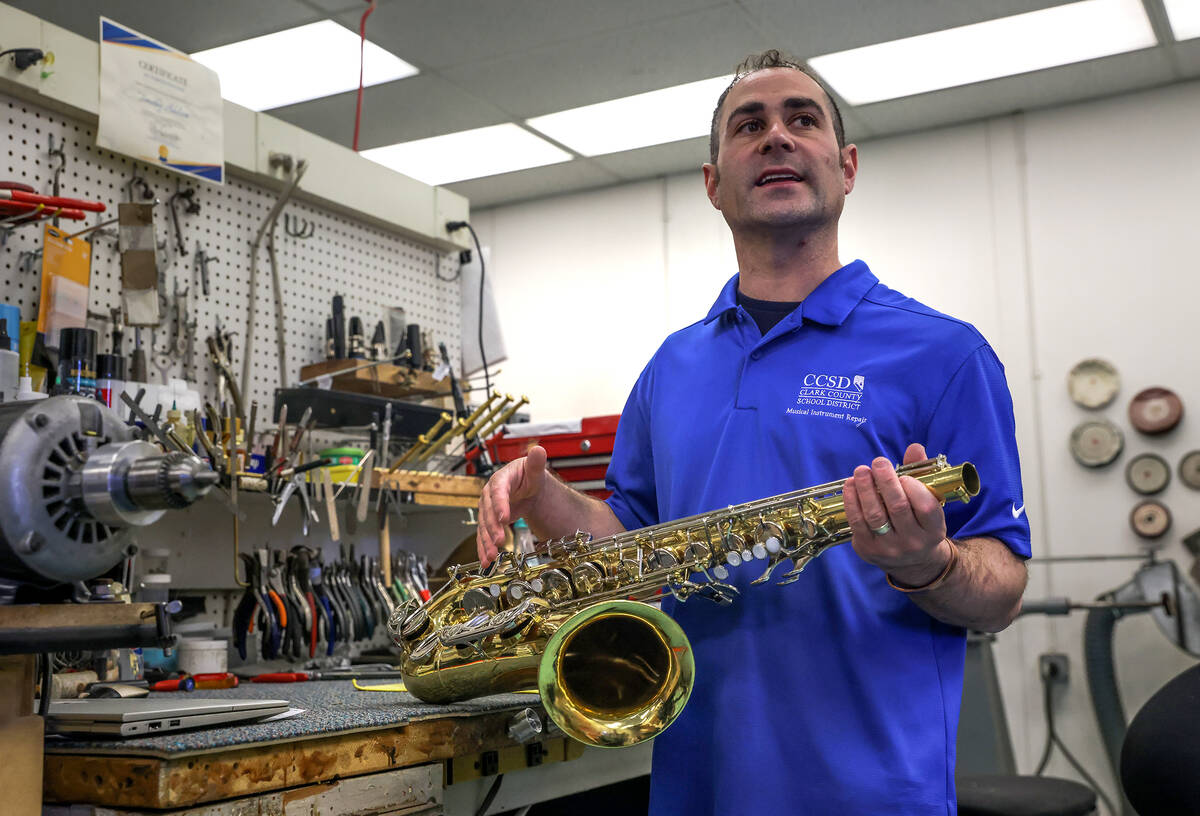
x: 302, y: 63
x: 657, y: 117
x: 1185, y: 18
x: 974, y: 53
x: 468, y: 154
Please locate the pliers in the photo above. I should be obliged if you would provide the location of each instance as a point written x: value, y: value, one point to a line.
x: 292, y: 619
x: 300, y: 572
x: 257, y: 596
x: 298, y: 485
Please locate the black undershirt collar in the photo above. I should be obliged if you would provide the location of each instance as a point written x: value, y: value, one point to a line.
x: 766, y: 313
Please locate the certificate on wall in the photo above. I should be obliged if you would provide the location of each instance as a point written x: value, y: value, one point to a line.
x: 159, y: 106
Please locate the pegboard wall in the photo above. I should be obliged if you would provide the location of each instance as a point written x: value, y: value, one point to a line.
x: 371, y: 268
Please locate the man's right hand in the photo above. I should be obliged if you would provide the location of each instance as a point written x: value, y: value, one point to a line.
x: 511, y: 493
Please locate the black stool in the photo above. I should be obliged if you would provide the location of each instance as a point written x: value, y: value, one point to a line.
x: 994, y: 795
x: 1160, y: 760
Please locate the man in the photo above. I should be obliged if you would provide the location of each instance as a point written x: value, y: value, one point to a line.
x: 839, y: 693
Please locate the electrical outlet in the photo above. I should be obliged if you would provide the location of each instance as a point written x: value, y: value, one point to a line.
x: 1054, y: 667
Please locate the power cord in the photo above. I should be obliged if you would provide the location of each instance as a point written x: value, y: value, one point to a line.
x: 362, y: 47
x: 46, y: 678
x: 455, y: 226
x: 1048, y: 675
x: 464, y: 258
x: 24, y: 57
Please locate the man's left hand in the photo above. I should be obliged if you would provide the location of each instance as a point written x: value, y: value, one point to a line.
x: 897, y: 523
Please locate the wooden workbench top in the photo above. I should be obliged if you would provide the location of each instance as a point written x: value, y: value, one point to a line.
x: 340, y: 734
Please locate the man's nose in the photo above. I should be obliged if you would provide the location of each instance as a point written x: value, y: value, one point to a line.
x: 777, y: 136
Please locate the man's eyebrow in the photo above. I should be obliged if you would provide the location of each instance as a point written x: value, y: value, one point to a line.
x: 791, y: 103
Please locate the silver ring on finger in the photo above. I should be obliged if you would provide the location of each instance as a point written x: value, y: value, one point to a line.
x: 882, y: 529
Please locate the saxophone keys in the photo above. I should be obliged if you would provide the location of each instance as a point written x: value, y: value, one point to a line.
x: 766, y: 576
x: 557, y: 585
x: 722, y: 594
x: 517, y: 591
x: 476, y: 600
x: 799, y: 562
x: 588, y: 577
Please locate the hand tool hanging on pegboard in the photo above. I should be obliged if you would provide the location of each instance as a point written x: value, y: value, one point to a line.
x: 268, y: 228
x: 191, y: 207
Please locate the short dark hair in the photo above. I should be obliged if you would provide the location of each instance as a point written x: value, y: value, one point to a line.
x: 761, y: 62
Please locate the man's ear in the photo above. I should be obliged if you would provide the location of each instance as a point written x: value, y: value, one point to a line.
x: 711, y: 178
x: 849, y: 166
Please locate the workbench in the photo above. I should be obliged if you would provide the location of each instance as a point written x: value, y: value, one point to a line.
x: 317, y: 761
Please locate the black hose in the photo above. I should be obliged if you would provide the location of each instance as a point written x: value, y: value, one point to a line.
x: 1052, y: 739
x: 1102, y: 682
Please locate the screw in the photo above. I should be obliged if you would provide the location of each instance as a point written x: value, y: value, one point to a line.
x: 41, y: 421
x: 30, y: 543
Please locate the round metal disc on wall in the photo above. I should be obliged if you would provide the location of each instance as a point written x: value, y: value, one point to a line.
x: 1096, y: 443
x: 1148, y: 473
x: 1150, y: 519
x: 1093, y: 383
x: 1155, y: 410
x: 1189, y: 469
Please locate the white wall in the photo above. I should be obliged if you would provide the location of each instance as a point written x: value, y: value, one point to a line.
x: 1060, y: 234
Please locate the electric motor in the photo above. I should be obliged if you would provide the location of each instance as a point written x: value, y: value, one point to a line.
x: 73, y: 479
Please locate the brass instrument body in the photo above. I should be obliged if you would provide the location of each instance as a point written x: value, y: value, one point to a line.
x: 573, y: 619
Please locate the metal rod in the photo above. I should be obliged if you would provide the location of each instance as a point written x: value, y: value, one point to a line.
x: 92, y: 229
x: 1052, y: 559
x: 341, y: 371
x: 269, y: 222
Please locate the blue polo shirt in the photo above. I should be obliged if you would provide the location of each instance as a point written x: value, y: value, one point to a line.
x: 835, y: 694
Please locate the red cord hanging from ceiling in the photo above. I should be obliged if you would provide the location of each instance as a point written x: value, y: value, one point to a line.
x: 362, y: 45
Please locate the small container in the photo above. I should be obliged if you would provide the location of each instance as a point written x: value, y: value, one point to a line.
x: 342, y: 456
x: 523, y: 537
x: 203, y: 656
x: 77, y: 362
x: 25, y: 390
x: 10, y: 366
x: 153, y: 588
x: 110, y: 379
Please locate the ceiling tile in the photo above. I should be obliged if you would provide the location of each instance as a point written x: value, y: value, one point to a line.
x: 823, y: 26
x: 441, y: 33
x: 658, y: 55
x: 183, y: 24
x: 1054, y: 86
x: 539, y: 182
x: 1185, y: 57
x: 412, y: 108
x: 676, y: 157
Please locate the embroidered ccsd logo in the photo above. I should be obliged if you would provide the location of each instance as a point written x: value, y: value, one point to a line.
x: 834, y: 396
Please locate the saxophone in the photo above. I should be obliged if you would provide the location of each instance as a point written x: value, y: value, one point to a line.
x: 574, y: 619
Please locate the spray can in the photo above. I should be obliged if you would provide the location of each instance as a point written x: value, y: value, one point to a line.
x: 77, y: 362
x: 110, y: 379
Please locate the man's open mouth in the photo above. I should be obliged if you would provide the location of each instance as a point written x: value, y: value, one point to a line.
x: 777, y: 178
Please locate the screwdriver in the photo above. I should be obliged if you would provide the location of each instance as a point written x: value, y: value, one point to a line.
x: 300, y: 677
x: 216, y: 680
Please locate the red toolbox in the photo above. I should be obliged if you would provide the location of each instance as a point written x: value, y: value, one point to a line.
x: 579, y: 450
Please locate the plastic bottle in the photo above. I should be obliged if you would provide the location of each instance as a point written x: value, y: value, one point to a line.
x: 523, y: 537
x: 110, y: 380
x: 10, y: 366
x: 25, y: 389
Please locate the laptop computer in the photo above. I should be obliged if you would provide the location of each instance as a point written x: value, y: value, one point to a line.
x: 137, y: 717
